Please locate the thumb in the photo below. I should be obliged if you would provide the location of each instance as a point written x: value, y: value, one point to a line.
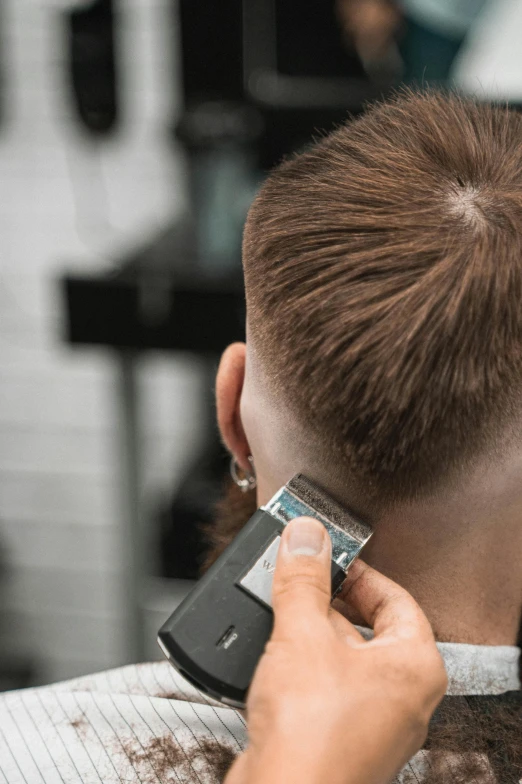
x: 302, y: 577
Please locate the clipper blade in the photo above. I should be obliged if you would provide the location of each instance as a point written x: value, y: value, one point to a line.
x: 301, y: 497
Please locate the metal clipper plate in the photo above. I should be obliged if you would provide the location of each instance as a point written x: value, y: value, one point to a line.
x: 258, y: 580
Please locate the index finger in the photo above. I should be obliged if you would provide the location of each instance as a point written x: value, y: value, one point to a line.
x: 386, y: 607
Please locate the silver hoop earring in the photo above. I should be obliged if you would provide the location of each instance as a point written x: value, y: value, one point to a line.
x: 248, y: 481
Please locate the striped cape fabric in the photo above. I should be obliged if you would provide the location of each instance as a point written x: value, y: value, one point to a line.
x: 141, y: 723
x: 144, y: 724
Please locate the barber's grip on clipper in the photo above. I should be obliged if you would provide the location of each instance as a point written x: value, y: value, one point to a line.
x: 217, y: 635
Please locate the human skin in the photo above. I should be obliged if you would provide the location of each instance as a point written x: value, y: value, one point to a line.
x: 457, y: 552
x: 324, y: 704
x: 371, y: 24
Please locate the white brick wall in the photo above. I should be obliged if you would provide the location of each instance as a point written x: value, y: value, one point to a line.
x: 67, y: 202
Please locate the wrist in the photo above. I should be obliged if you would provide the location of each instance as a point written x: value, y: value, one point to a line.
x: 296, y: 763
x: 324, y: 755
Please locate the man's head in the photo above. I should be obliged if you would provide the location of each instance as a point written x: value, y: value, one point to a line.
x: 383, y: 271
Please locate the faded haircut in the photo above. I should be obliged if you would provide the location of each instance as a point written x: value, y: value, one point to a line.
x: 383, y: 270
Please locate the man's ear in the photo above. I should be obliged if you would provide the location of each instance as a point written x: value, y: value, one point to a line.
x: 229, y: 385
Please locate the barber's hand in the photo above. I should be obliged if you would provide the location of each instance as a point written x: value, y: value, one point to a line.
x: 325, y: 706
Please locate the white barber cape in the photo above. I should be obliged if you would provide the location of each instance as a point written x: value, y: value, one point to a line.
x: 144, y: 724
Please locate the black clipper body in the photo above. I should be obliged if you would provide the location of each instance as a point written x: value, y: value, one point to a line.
x: 218, y: 633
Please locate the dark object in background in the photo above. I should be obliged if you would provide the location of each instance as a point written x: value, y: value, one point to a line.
x: 211, y: 49
x: 298, y: 49
x: 160, y: 298
x: 183, y: 544
x: 309, y: 41
x: 427, y: 55
x: 16, y: 672
x: 92, y: 65
x: 300, y: 40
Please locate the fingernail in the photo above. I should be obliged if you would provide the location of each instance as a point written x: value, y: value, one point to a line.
x: 305, y: 537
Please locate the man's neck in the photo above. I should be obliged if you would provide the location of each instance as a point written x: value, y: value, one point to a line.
x: 466, y: 577
x: 457, y: 551
x: 454, y: 554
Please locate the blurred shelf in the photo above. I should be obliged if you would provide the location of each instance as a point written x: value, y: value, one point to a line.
x: 160, y: 297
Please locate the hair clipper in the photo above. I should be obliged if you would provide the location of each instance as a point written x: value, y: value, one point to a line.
x: 218, y: 633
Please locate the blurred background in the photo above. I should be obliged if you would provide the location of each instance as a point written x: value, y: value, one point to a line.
x: 133, y: 137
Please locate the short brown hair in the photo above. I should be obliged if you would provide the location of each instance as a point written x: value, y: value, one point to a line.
x: 383, y: 270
